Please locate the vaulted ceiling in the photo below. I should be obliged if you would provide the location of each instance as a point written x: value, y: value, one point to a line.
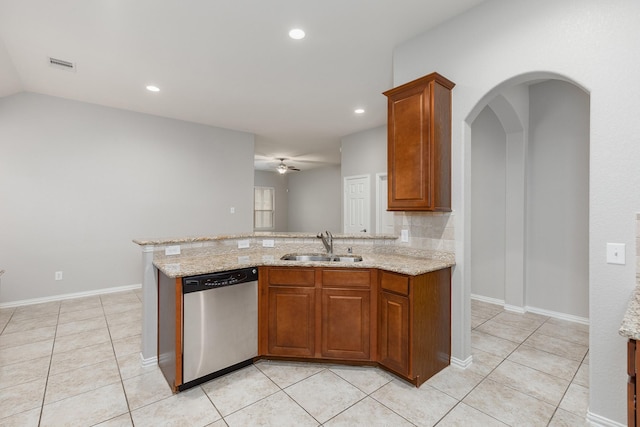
x: 226, y: 63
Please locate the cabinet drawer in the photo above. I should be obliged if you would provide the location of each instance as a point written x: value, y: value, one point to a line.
x: 394, y: 283
x: 292, y: 276
x: 344, y: 278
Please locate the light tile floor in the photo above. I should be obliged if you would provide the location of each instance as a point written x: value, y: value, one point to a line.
x: 76, y: 363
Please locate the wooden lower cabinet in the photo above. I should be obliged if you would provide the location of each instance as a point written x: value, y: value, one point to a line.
x: 414, y: 324
x: 393, y: 332
x: 170, y: 329
x: 316, y: 313
x: 292, y: 321
x: 345, y: 327
x: 400, y: 322
x: 633, y: 365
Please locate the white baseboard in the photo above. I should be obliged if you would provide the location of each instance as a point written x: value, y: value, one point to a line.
x: 597, y: 420
x: 70, y: 296
x: 487, y: 299
x: 464, y: 364
x: 515, y: 309
x: 529, y: 309
x: 152, y: 361
x: 558, y: 315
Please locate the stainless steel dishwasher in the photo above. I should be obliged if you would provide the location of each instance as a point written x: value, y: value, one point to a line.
x: 220, y: 324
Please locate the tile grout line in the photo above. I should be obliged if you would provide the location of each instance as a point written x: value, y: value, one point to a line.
x: 520, y: 345
x: 556, y: 407
x: 460, y: 401
x: 359, y: 400
x: 124, y: 391
x: 46, y: 381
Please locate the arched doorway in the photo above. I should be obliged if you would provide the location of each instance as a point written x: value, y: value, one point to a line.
x: 529, y: 198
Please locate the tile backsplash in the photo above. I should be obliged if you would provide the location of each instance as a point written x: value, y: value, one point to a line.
x: 427, y: 230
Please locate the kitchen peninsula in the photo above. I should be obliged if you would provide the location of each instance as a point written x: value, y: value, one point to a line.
x: 401, y: 297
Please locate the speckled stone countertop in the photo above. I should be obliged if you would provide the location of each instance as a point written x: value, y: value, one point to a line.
x: 271, y: 235
x: 399, y: 260
x: 630, y: 327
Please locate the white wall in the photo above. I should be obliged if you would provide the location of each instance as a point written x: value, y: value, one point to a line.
x: 280, y: 184
x: 555, y: 212
x: 592, y: 43
x: 78, y: 182
x: 315, y: 200
x: 365, y: 153
x: 10, y: 82
x: 488, y: 206
x: 557, y: 269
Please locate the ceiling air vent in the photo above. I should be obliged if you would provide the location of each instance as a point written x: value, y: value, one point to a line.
x: 62, y: 64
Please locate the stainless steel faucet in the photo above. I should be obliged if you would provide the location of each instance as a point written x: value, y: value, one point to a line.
x: 327, y: 241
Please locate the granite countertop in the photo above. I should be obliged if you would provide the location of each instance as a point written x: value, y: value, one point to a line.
x: 630, y: 327
x: 191, y: 265
x: 264, y: 234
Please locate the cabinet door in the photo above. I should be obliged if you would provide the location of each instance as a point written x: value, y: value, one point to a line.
x: 631, y: 383
x: 291, y: 321
x: 409, y: 149
x: 419, y: 145
x: 633, y: 364
x: 345, y: 325
x: 170, y: 329
x: 393, y: 332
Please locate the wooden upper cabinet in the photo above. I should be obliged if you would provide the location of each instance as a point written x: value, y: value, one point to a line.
x: 419, y: 145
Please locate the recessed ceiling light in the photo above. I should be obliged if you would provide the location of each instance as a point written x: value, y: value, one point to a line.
x: 296, y: 34
x: 359, y: 111
x: 152, y: 88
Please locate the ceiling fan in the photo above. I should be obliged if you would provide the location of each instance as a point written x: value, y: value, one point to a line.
x: 292, y: 163
x: 283, y: 168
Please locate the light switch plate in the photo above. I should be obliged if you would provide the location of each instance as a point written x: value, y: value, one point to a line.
x: 616, y: 253
x: 404, y: 236
x: 243, y: 244
x: 172, y: 250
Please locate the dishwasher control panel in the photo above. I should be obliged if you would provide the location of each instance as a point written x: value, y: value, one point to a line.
x: 219, y: 280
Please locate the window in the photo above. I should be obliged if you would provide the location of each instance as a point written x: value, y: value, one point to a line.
x: 263, y: 208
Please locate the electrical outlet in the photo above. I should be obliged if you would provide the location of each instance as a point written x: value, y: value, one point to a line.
x: 172, y: 250
x: 232, y: 210
x: 404, y: 236
x: 58, y: 275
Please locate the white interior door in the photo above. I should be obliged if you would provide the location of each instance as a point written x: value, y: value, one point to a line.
x: 357, y: 202
x: 384, y: 218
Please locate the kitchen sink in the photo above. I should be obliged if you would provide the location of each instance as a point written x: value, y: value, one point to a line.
x: 322, y: 257
x: 347, y: 258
